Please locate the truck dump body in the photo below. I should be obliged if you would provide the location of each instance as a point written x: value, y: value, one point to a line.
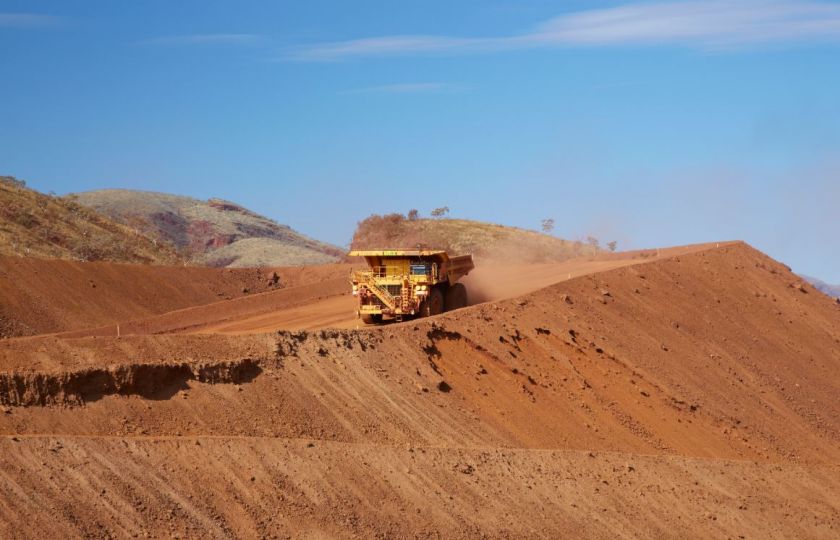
x: 405, y: 283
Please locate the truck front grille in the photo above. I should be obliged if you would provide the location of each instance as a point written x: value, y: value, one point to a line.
x: 393, y: 290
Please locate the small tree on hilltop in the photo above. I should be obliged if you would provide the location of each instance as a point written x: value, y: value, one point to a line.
x: 548, y: 225
x: 440, y: 212
x: 14, y: 181
x: 612, y: 245
x: 413, y: 214
x: 592, y: 241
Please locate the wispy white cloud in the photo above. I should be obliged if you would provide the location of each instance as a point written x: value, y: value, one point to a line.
x: 206, y: 39
x: 407, y: 88
x: 396, y: 45
x: 27, y: 20
x: 701, y: 24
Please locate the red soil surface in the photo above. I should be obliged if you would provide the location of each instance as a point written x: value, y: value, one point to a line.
x: 691, y: 395
x: 47, y: 295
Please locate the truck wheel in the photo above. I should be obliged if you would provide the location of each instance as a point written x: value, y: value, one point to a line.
x: 433, y: 305
x: 373, y: 318
x: 456, y: 297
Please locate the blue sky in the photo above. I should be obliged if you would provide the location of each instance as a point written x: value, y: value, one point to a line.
x: 649, y: 123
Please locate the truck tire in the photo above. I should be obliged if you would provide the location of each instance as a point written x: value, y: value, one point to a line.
x: 433, y: 305
x: 456, y: 297
x: 374, y: 318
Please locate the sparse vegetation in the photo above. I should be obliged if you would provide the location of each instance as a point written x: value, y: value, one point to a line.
x: 548, y: 225
x: 13, y: 181
x: 214, y: 232
x: 257, y: 252
x: 440, y: 212
x: 413, y: 214
x: 39, y: 225
x: 592, y: 241
x: 612, y: 245
x: 461, y: 236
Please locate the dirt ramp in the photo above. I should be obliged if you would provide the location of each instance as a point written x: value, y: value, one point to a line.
x: 716, y: 353
x: 318, y: 297
x: 498, y: 277
x: 48, y: 296
x: 229, y: 316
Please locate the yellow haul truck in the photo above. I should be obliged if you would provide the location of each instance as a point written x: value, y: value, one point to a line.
x: 409, y: 283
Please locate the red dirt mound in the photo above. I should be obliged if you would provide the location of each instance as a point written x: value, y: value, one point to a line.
x: 690, y: 396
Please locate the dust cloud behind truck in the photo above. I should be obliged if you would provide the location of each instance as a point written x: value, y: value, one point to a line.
x: 409, y: 283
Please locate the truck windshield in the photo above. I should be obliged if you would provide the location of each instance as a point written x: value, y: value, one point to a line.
x: 421, y: 269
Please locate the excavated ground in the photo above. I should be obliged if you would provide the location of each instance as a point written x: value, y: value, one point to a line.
x: 690, y: 396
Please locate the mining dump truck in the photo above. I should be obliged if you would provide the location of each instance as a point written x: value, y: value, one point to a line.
x: 409, y: 283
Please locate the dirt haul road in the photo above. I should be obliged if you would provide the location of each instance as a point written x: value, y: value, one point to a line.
x: 319, y: 297
x: 693, y: 395
x: 492, y: 281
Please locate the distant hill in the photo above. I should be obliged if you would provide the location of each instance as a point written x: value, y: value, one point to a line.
x: 38, y: 225
x: 461, y: 236
x: 830, y: 290
x: 214, y: 232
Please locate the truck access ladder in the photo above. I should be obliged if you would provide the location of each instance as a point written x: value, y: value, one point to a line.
x: 406, y: 296
x: 367, y: 279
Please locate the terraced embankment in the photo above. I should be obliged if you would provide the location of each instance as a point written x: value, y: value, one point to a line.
x: 692, y: 396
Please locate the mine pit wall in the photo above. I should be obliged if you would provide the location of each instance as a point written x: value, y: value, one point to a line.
x: 646, y: 359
